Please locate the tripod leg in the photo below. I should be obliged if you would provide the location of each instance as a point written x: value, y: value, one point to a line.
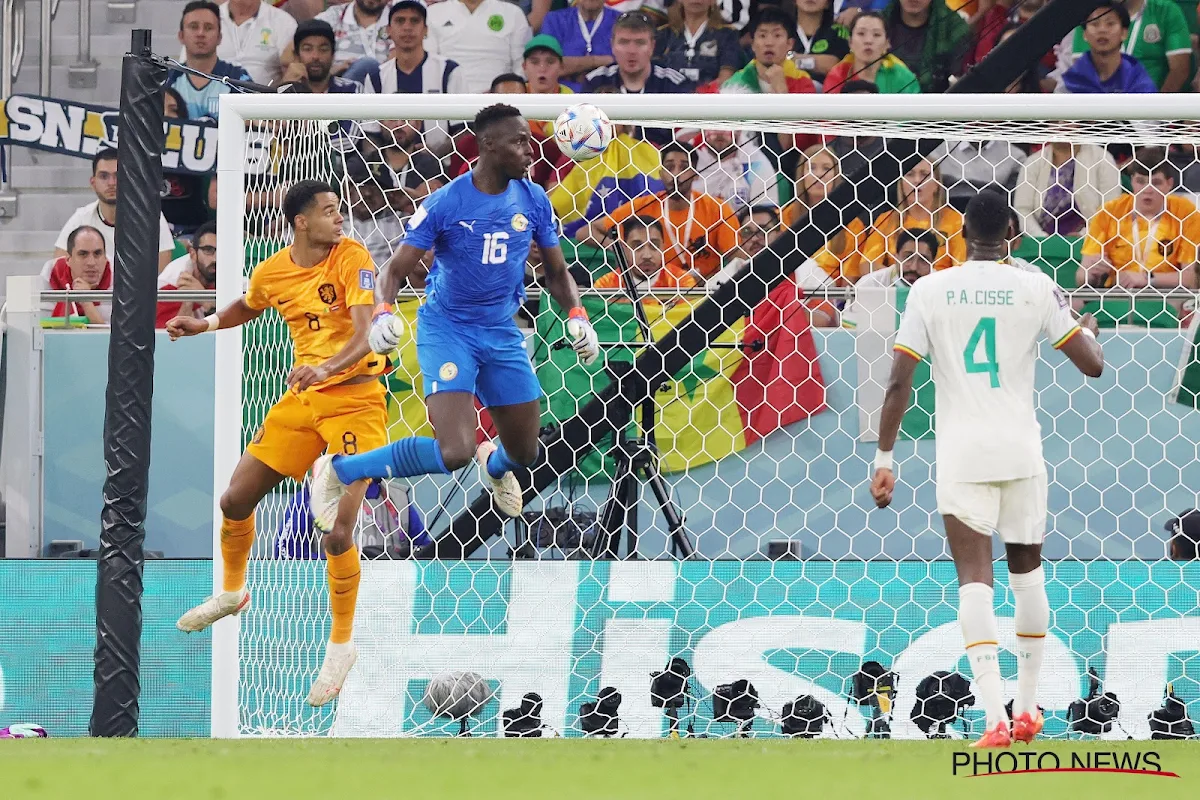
x: 613, y: 512
x: 679, y: 536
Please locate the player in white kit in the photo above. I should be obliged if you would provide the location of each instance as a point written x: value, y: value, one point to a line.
x: 979, y: 324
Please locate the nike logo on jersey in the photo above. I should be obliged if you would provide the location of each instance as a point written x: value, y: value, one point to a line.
x: 283, y: 302
x: 468, y: 225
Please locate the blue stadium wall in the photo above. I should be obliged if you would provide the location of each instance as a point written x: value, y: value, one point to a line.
x: 567, y: 628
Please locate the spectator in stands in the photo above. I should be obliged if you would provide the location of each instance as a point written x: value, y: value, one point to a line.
x: 412, y: 70
x: 315, y: 43
x: 869, y: 60
x: 102, y: 214
x: 633, y: 70
x: 183, y: 195
x: 855, y: 152
x: 916, y: 251
x: 771, y: 71
x: 542, y: 64
x: 920, y: 203
x: 696, y: 42
x: 839, y: 261
x: 257, y: 36
x: 733, y: 168
x: 1185, y: 536
x: 362, y: 39
x: 508, y: 83
x: 200, y: 35
x: 417, y: 171
x: 820, y: 41
x: 1157, y: 37
x: 969, y: 167
x: 485, y: 37
x: 757, y: 226
x: 700, y: 229
x: 1147, y: 238
x: 1003, y: 16
x: 195, y: 270
x: 585, y: 34
x: 1104, y: 69
x: 817, y: 175
x: 1062, y: 186
x: 627, y: 169
x: 373, y: 218
x: 82, y: 266
x: 929, y: 38
x: 645, y: 248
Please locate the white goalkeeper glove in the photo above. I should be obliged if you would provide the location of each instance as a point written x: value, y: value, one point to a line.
x: 583, y: 336
x: 386, y: 330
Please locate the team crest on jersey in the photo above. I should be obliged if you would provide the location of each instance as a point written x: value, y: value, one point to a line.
x: 495, y: 23
x: 519, y: 223
x: 327, y: 293
x: 448, y: 371
x: 366, y: 279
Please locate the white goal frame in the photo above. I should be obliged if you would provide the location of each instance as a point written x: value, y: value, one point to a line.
x: 907, y: 116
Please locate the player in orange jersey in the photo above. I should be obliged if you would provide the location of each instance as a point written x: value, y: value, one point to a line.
x: 323, y: 286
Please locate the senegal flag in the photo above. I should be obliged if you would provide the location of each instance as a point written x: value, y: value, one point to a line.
x: 406, y: 394
x: 875, y: 315
x: 725, y: 399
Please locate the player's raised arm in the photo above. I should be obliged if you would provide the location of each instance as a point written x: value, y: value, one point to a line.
x: 1077, y: 340
x: 912, y: 343
x: 562, y: 288
x: 386, y: 329
x: 236, y: 313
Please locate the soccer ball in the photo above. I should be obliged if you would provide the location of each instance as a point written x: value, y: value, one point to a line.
x: 583, y: 132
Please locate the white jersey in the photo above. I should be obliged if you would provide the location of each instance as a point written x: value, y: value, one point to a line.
x: 980, y: 324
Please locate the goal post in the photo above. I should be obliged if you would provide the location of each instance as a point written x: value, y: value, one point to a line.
x: 787, y: 467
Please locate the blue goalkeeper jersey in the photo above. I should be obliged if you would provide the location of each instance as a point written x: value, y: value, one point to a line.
x: 480, y: 245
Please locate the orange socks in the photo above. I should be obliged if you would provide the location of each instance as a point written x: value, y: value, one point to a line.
x: 344, y: 575
x: 237, y: 537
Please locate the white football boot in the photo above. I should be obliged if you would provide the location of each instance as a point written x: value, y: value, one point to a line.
x: 212, y: 609
x: 326, y: 492
x: 339, y: 658
x: 505, y: 489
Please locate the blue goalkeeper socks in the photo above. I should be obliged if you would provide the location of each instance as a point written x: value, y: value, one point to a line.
x: 499, y: 462
x: 413, y: 455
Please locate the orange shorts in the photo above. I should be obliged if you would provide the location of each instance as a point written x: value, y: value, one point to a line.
x: 301, y: 426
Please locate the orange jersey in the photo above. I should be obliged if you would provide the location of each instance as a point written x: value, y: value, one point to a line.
x: 1126, y: 241
x: 315, y: 303
x: 881, y: 241
x: 698, y: 237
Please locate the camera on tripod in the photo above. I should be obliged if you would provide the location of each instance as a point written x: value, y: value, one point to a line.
x: 804, y: 717
x: 1170, y: 721
x: 1095, y: 712
x: 941, y: 699
x: 599, y: 718
x: 524, y: 721
x: 736, y: 702
x: 669, y: 690
x: 875, y: 686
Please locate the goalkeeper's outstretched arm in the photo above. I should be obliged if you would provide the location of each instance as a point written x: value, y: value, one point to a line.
x: 232, y: 315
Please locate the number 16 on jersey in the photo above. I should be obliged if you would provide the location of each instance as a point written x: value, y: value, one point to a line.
x: 495, y: 248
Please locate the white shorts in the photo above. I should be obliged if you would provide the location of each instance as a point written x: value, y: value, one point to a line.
x: 1015, y: 509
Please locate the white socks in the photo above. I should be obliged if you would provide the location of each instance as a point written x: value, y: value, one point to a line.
x: 1032, y: 621
x: 977, y: 618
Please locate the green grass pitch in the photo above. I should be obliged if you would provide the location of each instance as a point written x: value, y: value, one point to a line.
x: 490, y: 769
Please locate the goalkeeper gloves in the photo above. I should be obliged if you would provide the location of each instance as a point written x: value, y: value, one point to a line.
x: 386, y: 330
x: 582, y: 335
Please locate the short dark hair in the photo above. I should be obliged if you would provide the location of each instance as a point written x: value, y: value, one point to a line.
x: 773, y: 15
x: 408, y: 5
x: 638, y: 223
x: 635, y: 22
x: 204, y: 230
x: 919, y: 236
x: 300, y: 198
x: 179, y: 101
x: 200, y: 5
x: 491, y: 115
x: 860, y: 87
x: 986, y: 217
x: 748, y: 212
x: 679, y: 147
x: 505, y: 77
x: 1185, y: 535
x: 1113, y: 7
x: 73, y: 235
x: 1150, y: 161
x: 103, y: 154
x: 314, y: 27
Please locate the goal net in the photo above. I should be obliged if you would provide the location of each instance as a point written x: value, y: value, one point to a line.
x: 764, y: 439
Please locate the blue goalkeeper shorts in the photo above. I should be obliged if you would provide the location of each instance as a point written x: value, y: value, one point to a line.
x: 488, y: 361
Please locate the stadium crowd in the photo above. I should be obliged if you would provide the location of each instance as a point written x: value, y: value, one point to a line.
x: 690, y: 206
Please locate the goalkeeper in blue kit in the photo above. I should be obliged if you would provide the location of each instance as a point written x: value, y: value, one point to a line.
x: 480, y: 227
